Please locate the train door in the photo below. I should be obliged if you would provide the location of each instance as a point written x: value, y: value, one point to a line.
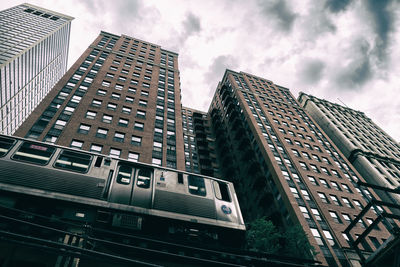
x: 132, y: 186
x: 121, y: 189
x: 142, y: 186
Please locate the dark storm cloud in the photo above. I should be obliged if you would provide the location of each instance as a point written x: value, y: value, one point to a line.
x: 217, y: 70
x: 382, y: 19
x: 337, y: 6
x: 279, y: 10
x: 358, y: 71
x: 311, y: 70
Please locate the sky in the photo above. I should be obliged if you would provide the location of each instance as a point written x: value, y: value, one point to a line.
x: 344, y: 51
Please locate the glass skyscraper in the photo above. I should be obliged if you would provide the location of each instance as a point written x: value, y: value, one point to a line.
x: 33, y: 56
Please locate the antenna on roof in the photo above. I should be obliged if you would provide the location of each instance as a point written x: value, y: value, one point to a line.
x: 342, y: 102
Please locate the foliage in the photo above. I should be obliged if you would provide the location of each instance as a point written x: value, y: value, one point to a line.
x: 263, y: 236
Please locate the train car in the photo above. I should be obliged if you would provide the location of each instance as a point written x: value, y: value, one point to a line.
x: 118, y: 194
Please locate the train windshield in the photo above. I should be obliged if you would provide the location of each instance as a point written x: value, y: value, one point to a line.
x: 74, y: 161
x: 34, y: 153
x: 124, y: 174
x: 144, y: 177
x: 5, y: 145
x: 196, y: 185
x: 221, y: 191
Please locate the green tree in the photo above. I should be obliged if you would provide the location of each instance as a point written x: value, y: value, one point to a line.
x: 296, y: 243
x: 263, y: 236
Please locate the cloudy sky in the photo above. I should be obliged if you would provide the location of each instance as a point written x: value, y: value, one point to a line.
x: 345, y: 51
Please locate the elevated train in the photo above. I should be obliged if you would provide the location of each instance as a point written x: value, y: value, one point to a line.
x: 117, y: 194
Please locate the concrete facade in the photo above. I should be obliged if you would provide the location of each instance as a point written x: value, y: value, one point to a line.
x: 374, y: 154
x: 34, y: 46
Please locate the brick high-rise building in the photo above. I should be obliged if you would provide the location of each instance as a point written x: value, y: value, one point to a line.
x: 374, y: 154
x: 33, y: 56
x: 200, y: 146
x: 121, y: 98
x: 286, y: 168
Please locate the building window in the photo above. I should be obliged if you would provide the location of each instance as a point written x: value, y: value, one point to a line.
x: 132, y: 156
x: 123, y: 122
x: 84, y: 128
x: 76, y: 144
x: 358, y: 204
x: 316, y: 214
x: 60, y: 124
x: 96, y: 103
x: 101, y: 133
x: 112, y: 106
x: 335, y: 200
x: 107, y: 118
x: 129, y: 99
x: 114, y: 152
x: 346, y: 217
x: 136, y: 140
x: 106, y: 84
x: 156, y: 161
x: 119, y: 87
x: 303, y: 165
x: 144, y: 93
x: 101, y: 92
x: 132, y: 90
x: 335, y: 217
x: 312, y: 180
x: 317, y: 236
x: 141, y: 114
x: 335, y: 185
x: 314, y: 168
x: 295, y: 152
x: 96, y: 148
x: 115, y: 96
x: 126, y: 110
x: 157, y: 146
x: 329, y: 237
x: 90, y: 115
x: 347, y: 202
x: 324, y: 183
x: 323, y: 197
x: 142, y: 103
x: 119, y: 137
x: 138, y: 126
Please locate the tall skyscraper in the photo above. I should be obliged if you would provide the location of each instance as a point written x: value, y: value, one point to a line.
x: 284, y: 167
x: 33, y: 56
x: 374, y: 154
x: 121, y: 98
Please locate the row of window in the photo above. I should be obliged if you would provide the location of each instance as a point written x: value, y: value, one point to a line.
x: 114, y: 152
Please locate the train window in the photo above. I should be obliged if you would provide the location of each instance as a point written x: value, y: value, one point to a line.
x: 180, y: 178
x: 124, y: 174
x: 221, y: 191
x: 196, y: 185
x: 35, y: 153
x: 143, y: 179
x: 73, y: 161
x: 5, y: 145
x: 98, y: 161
